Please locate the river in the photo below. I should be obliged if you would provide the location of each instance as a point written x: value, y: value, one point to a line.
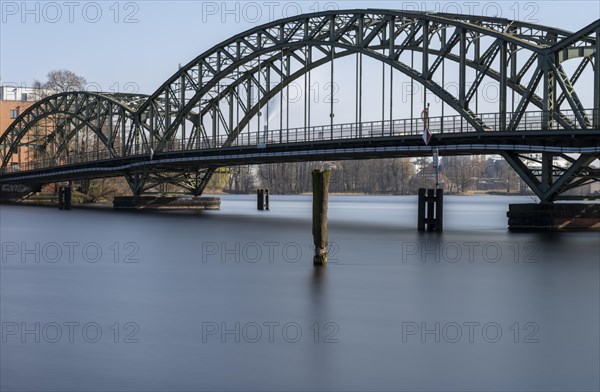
x: 94, y: 299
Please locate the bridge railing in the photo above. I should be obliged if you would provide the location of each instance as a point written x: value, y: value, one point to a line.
x: 34, y: 164
x: 531, y: 121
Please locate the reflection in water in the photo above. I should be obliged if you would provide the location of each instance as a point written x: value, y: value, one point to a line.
x: 198, y: 271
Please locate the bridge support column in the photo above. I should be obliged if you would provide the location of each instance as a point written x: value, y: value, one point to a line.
x: 64, y: 198
x: 431, y: 210
x: 321, y: 180
x: 61, y: 198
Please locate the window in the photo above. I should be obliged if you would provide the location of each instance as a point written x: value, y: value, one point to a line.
x: 23, y: 96
x: 14, y: 113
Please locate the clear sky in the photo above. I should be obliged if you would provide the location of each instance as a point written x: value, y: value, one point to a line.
x: 142, y: 42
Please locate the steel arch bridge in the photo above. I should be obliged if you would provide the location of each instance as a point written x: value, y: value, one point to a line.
x: 209, y: 113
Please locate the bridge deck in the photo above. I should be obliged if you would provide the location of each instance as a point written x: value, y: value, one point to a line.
x: 452, y: 135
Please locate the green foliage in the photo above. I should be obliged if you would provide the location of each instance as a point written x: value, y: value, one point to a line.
x: 218, y: 183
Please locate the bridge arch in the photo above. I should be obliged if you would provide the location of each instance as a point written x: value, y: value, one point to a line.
x: 197, y: 85
x: 106, y: 116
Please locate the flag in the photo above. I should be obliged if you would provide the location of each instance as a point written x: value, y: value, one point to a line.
x: 426, y: 136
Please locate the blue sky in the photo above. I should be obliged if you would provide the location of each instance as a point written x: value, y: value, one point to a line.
x: 142, y: 42
x: 133, y: 46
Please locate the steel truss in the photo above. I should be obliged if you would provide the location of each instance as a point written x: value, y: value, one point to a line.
x: 213, y: 101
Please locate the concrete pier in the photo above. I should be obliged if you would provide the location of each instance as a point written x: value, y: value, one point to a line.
x: 553, y: 217
x: 64, y: 198
x: 166, y: 203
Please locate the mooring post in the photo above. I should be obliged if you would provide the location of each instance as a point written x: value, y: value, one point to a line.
x: 321, y: 181
x: 267, y: 199
x: 421, y: 210
x: 430, y: 209
x: 61, y: 198
x: 68, y: 197
x: 439, y: 210
x: 260, y: 199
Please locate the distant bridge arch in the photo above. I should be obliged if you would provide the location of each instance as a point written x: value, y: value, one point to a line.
x: 49, y: 125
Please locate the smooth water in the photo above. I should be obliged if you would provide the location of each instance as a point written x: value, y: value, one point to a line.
x: 229, y: 300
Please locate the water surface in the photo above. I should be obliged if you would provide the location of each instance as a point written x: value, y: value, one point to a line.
x: 229, y: 300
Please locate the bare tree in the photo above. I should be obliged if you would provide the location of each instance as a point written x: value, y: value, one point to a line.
x: 459, y: 170
x: 59, y: 81
x: 509, y: 177
x: 402, y: 170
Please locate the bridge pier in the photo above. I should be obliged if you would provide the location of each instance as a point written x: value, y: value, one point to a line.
x: 166, y: 203
x: 553, y: 217
x: 64, y: 198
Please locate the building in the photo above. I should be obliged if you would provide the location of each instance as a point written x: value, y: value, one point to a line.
x: 16, y: 93
x: 15, y: 100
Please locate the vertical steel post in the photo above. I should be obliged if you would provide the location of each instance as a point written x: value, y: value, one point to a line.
x: 444, y: 40
x: 360, y: 94
x: 547, y: 104
x: 392, y: 35
x: 412, y: 91
x: 123, y: 130
x: 281, y: 81
x: 462, y: 68
x: 513, y: 74
x: 331, y: 114
x: 503, y: 72
x: 383, y: 39
x: 306, y: 92
x: 258, y: 102
x: 425, y: 60
x: 231, y: 114
x: 477, y: 44
x: 287, y: 104
x: 214, y: 126
x: 356, y: 92
x: 597, y: 82
x: 359, y: 39
x: 309, y: 86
